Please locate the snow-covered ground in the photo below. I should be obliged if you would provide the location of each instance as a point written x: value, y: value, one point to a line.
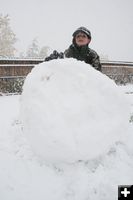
x: 25, y: 175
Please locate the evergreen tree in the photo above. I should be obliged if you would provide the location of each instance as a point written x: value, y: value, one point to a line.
x: 7, y: 37
x: 43, y: 52
x: 33, y: 50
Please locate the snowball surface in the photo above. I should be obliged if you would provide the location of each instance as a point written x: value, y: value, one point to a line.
x: 71, y: 112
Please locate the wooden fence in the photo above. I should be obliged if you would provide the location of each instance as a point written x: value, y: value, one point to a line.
x: 14, y: 71
x: 120, y: 72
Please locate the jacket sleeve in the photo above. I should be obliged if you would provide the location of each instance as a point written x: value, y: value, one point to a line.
x: 67, y: 53
x: 95, y: 60
x: 54, y: 55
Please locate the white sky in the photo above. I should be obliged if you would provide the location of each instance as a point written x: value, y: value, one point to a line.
x: 54, y: 21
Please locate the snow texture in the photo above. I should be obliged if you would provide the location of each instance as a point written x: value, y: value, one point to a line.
x: 26, y: 176
x: 71, y: 112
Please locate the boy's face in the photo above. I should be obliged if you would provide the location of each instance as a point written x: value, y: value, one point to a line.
x: 81, y: 39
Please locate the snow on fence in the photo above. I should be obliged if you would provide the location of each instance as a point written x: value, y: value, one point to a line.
x: 13, y: 72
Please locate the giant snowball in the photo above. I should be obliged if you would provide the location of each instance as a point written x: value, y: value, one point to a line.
x: 71, y: 112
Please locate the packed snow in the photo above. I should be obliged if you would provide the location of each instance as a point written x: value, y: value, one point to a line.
x: 67, y: 137
x: 70, y: 111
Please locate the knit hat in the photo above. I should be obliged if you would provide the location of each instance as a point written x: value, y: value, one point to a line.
x: 84, y: 30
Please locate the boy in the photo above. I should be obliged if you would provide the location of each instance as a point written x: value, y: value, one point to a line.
x: 79, y: 49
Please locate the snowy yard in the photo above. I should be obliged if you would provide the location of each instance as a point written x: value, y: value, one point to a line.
x: 26, y: 176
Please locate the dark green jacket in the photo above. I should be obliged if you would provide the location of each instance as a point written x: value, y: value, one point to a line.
x: 84, y: 53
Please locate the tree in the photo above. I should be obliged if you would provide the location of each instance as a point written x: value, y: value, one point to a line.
x: 34, y: 51
x: 43, y: 52
x: 7, y: 37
